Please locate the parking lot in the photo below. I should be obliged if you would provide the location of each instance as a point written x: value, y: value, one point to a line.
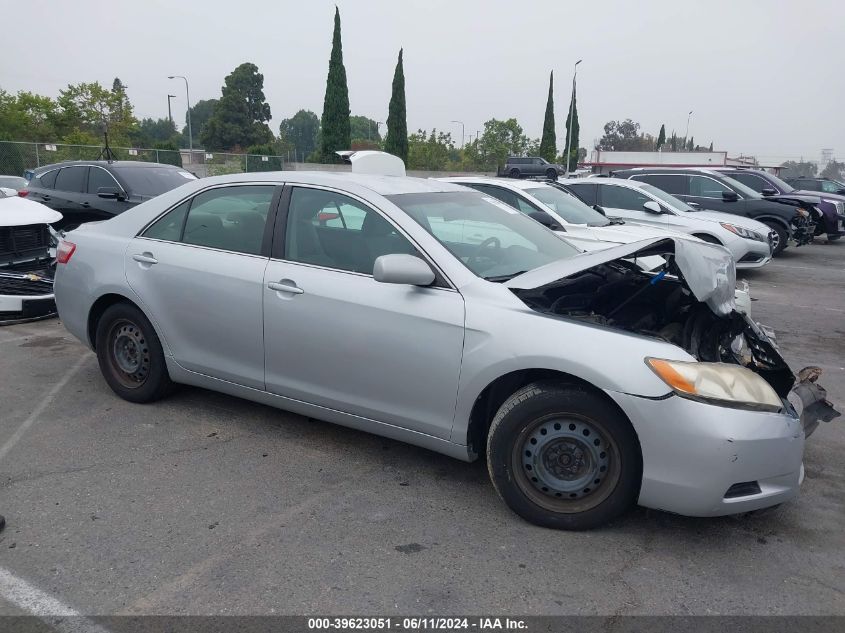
x: 205, y: 504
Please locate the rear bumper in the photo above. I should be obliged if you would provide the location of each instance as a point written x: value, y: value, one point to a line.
x: 695, y: 455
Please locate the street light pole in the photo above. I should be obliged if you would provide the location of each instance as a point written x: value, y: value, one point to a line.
x: 686, y: 134
x: 169, y: 113
x: 463, y: 134
x: 188, y: 98
x: 571, y: 121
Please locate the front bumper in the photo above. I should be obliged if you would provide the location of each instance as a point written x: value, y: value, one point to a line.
x: 19, y: 309
x: 751, y: 253
x: 695, y: 453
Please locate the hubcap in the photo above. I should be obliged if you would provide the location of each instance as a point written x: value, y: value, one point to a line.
x: 775, y: 239
x: 565, y: 459
x: 130, y: 355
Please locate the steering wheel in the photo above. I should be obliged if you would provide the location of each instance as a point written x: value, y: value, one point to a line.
x: 485, y: 244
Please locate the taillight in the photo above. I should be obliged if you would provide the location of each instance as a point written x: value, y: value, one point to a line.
x: 23, y: 193
x: 65, y: 251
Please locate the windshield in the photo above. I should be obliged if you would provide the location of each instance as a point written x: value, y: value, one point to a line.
x: 744, y: 190
x: 781, y: 185
x: 668, y: 198
x: 568, y: 207
x: 152, y: 181
x: 493, y: 240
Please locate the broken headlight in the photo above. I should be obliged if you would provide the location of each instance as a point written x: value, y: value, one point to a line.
x: 743, y: 232
x: 717, y: 383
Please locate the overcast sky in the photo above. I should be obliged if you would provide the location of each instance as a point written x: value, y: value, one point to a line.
x: 762, y: 78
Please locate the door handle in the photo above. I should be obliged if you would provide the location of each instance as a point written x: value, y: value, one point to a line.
x: 144, y: 258
x: 282, y: 287
x: 46, y: 198
x: 85, y: 205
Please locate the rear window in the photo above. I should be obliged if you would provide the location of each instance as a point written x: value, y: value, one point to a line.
x: 46, y: 180
x: 152, y: 181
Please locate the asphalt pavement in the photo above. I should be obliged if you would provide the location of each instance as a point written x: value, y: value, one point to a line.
x: 206, y: 504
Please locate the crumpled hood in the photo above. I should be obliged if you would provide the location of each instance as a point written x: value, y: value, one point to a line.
x: 708, y: 270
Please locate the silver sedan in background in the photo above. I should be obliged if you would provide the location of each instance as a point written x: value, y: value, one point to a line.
x: 429, y: 313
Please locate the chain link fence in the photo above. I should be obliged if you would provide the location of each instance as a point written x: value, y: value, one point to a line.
x: 17, y: 157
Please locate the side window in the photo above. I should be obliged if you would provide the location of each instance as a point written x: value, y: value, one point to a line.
x: 588, y: 193
x: 613, y: 197
x: 829, y: 187
x: 670, y: 183
x: 333, y: 230
x: 505, y: 195
x: 72, y: 179
x: 706, y: 187
x: 752, y: 181
x: 47, y: 180
x: 169, y: 226
x: 98, y: 178
x: 229, y: 218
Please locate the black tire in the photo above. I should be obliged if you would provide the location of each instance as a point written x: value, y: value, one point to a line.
x: 514, y: 173
x: 125, y: 340
x: 551, y: 174
x: 833, y: 238
x: 779, y: 242
x: 584, y: 438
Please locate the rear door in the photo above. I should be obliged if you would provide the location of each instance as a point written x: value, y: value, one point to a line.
x: 199, y: 272
x: 337, y: 338
x: 68, y: 193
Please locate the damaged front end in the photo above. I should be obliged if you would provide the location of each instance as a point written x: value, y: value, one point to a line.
x: 689, y: 302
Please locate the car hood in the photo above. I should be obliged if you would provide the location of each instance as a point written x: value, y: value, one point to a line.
x: 795, y: 198
x: 730, y: 218
x: 818, y: 194
x: 632, y: 232
x: 21, y: 212
x: 707, y: 270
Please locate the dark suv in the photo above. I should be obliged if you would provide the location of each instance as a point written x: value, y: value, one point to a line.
x: 825, y: 185
x: 83, y: 191
x: 526, y: 166
x: 832, y: 205
x: 787, y: 215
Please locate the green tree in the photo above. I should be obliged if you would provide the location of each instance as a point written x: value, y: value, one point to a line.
x: 661, y: 137
x: 151, y: 131
x: 432, y: 151
x: 396, y: 140
x: 833, y: 170
x: 691, y: 144
x: 364, y: 128
x: 625, y: 136
x: 300, y: 132
x: 499, y: 140
x: 240, y: 117
x: 201, y: 112
x: 90, y: 109
x: 711, y: 146
x: 335, y: 132
x: 548, y: 142
x: 673, y: 142
x: 27, y: 117
x: 576, y: 130
x: 798, y: 169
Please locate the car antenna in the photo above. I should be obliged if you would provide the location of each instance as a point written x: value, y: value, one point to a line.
x: 106, y: 153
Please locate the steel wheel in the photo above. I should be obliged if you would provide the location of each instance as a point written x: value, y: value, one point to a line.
x: 565, y: 464
x: 128, y: 353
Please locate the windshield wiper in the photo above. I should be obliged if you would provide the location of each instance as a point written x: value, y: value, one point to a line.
x: 503, y: 278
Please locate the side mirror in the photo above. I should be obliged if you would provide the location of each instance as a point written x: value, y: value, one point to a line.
x: 768, y: 191
x: 110, y: 193
x: 402, y: 269
x: 600, y: 209
x: 545, y: 219
x: 730, y: 196
x: 652, y: 207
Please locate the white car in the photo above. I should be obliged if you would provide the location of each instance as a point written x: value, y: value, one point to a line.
x: 748, y: 240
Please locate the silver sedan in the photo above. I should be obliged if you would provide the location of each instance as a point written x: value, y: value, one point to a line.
x: 431, y: 314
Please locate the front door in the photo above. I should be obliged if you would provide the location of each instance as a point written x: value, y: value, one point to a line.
x: 199, y: 273
x: 337, y: 338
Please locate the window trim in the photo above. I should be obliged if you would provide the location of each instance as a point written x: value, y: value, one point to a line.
x: 111, y: 175
x: 277, y: 251
x: 266, y: 240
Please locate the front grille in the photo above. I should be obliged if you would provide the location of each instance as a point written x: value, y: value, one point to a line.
x: 743, y: 489
x: 16, y: 241
x: 22, y: 287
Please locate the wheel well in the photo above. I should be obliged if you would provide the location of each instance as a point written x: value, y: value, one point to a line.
x: 708, y: 238
x: 493, y: 396
x: 97, y: 310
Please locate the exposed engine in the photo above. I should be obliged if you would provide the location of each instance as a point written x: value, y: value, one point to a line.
x: 620, y: 295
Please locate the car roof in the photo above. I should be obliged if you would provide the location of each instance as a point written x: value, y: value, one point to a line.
x: 511, y: 183
x: 657, y: 170
x: 102, y: 163
x: 622, y: 182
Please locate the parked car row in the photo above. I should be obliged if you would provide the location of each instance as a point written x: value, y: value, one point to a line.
x: 589, y: 381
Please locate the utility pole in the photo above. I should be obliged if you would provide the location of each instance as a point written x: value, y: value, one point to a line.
x: 169, y: 113
x: 686, y: 134
x: 188, y: 97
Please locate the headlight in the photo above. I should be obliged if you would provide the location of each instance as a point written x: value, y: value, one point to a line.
x: 717, y: 383
x: 742, y: 232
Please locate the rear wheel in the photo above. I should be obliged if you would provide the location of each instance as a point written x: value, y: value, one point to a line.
x: 514, y: 173
x: 779, y: 238
x: 562, y: 457
x: 130, y: 355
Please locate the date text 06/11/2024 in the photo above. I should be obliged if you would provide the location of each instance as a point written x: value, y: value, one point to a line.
x: 416, y: 624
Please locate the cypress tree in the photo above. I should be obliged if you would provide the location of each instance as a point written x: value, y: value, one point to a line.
x: 661, y: 137
x: 573, y: 146
x: 335, y: 133
x: 548, y: 143
x: 711, y: 146
x: 396, y: 140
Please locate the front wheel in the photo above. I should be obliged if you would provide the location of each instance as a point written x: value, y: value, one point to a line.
x: 551, y: 174
x: 130, y: 355
x: 779, y: 238
x: 561, y: 456
x: 514, y: 173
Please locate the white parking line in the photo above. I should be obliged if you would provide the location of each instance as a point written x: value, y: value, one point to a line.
x: 44, y: 606
x: 45, y: 402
